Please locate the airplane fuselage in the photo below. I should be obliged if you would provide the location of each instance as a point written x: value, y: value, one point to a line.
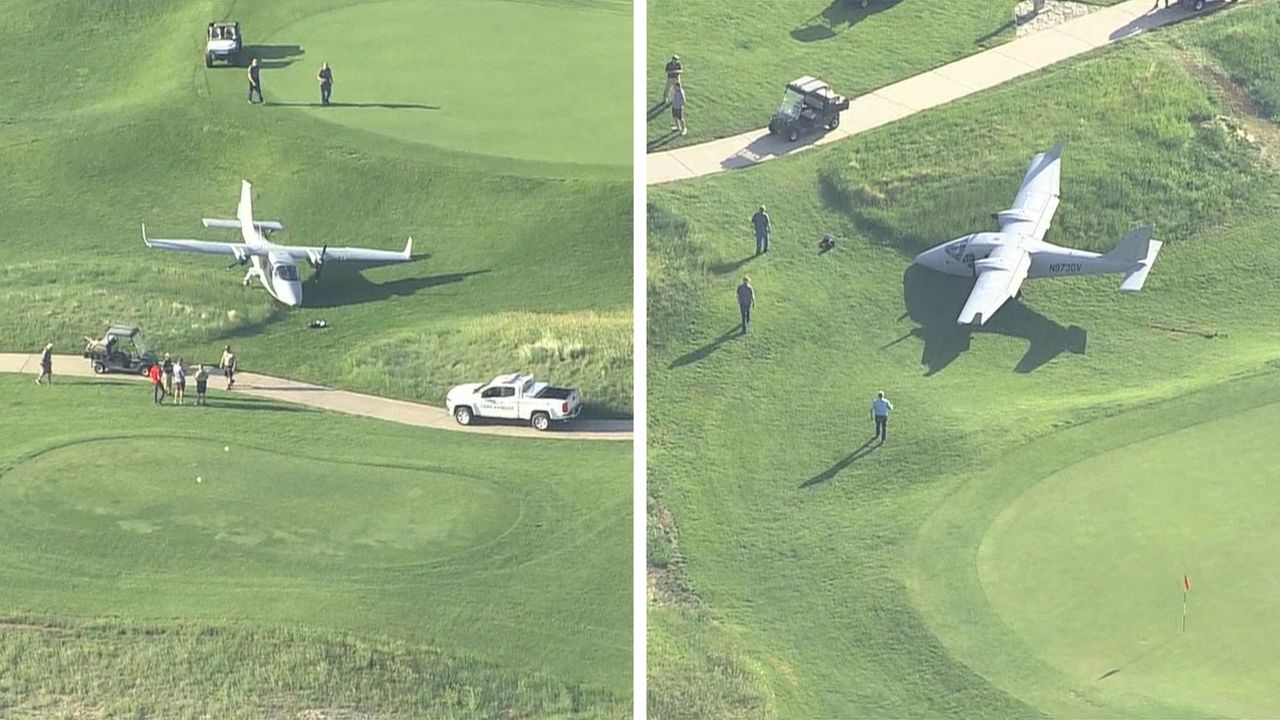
x: 957, y: 256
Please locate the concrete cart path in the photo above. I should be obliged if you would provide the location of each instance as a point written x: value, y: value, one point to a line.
x: 927, y: 90
x: 343, y: 401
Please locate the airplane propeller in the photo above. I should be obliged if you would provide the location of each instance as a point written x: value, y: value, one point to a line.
x: 319, y: 261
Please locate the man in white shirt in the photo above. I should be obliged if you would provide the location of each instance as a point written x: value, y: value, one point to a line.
x: 880, y: 409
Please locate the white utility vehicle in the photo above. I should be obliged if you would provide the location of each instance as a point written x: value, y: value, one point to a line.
x: 513, y: 397
x: 223, y: 42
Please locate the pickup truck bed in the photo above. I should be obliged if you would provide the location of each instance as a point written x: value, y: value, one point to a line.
x: 554, y: 393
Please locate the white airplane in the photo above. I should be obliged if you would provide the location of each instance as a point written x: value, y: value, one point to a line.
x: 274, y: 265
x: 1000, y: 261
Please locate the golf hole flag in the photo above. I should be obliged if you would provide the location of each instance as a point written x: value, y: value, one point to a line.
x: 1186, y: 588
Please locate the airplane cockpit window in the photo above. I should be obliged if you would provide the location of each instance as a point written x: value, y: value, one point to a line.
x: 287, y: 273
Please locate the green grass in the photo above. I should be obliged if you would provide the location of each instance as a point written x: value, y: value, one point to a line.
x: 515, y: 213
x: 738, y: 57
x: 835, y: 583
x: 408, y: 574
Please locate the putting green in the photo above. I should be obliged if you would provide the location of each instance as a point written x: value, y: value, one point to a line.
x: 142, y: 497
x: 1086, y: 566
x: 520, y: 80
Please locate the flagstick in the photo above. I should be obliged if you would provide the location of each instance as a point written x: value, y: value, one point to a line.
x: 1184, y: 610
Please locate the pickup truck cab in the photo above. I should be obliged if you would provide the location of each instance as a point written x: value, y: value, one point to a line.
x: 513, y: 397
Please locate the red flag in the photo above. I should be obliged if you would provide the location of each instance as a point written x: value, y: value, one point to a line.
x: 1186, y: 583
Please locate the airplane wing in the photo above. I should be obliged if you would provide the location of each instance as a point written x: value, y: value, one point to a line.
x: 1037, y: 199
x: 1000, y: 275
x: 348, y: 254
x: 238, y: 250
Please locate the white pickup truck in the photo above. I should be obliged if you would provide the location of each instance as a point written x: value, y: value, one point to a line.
x: 513, y: 397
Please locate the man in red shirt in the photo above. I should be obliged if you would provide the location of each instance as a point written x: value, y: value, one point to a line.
x: 157, y: 382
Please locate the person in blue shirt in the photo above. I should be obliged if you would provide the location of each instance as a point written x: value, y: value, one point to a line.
x: 325, y: 76
x: 880, y: 409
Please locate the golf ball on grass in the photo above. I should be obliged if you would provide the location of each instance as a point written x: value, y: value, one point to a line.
x: 199, y: 479
x: 226, y: 448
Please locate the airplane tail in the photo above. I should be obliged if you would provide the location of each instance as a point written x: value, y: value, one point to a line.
x: 1134, y: 247
x: 1140, y: 250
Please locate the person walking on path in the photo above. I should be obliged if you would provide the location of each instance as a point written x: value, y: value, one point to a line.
x: 255, y: 80
x: 46, y: 364
x: 202, y: 384
x: 166, y: 367
x: 179, y: 381
x: 157, y: 384
x: 325, y: 76
x: 677, y: 110
x: 746, y: 301
x: 228, y: 365
x: 674, y: 70
x: 763, y: 227
x: 880, y: 409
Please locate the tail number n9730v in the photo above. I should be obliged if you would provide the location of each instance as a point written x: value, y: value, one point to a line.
x: 1064, y: 267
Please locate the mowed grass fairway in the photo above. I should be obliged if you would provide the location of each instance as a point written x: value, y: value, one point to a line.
x: 253, y: 559
x: 458, y: 123
x: 1017, y: 547
x: 738, y: 57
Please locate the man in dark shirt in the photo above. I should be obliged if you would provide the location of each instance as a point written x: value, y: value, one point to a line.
x: 255, y: 80
x: 46, y: 364
x: 746, y: 301
x: 166, y: 367
x: 325, y: 76
x: 761, y: 222
x: 674, y: 69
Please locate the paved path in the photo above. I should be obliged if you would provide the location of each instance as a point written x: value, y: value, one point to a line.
x: 342, y: 401
x: 927, y: 90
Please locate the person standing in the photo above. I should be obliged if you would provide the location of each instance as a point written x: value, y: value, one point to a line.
x: 255, y: 80
x: 179, y: 381
x: 880, y: 409
x: 157, y: 383
x: 763, y: 227
x: 674, y: 70
x: 677, y: 110
x: 228, y: 365
x: 325, y: 76
x: 202, y: 384
x: 46, y: 364
x: 166, y: 367
x: 746, y: 301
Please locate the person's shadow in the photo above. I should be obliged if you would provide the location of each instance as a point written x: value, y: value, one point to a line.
x: 864, y: 450
x: 701, y: 353
x: 382, y: 105
x: 726, y: 267
x: 933, y: 301
x: 837, y: 17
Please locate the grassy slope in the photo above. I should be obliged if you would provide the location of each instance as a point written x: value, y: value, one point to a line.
x: 739, y: 56
x: 810, y: 583
x: 93, y: 149
x: 311, y: 544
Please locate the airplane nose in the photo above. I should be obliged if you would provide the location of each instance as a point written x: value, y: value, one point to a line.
x: 291, y: 294
x: 930, y: 258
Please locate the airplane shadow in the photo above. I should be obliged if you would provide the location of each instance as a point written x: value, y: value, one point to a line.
x: 270, y: 56
x: 864, y: 450
x: 701, y: 353
x: 839, y: 16
x: 933, y: 301
x: 383, y: 105
x: 343, y: 286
